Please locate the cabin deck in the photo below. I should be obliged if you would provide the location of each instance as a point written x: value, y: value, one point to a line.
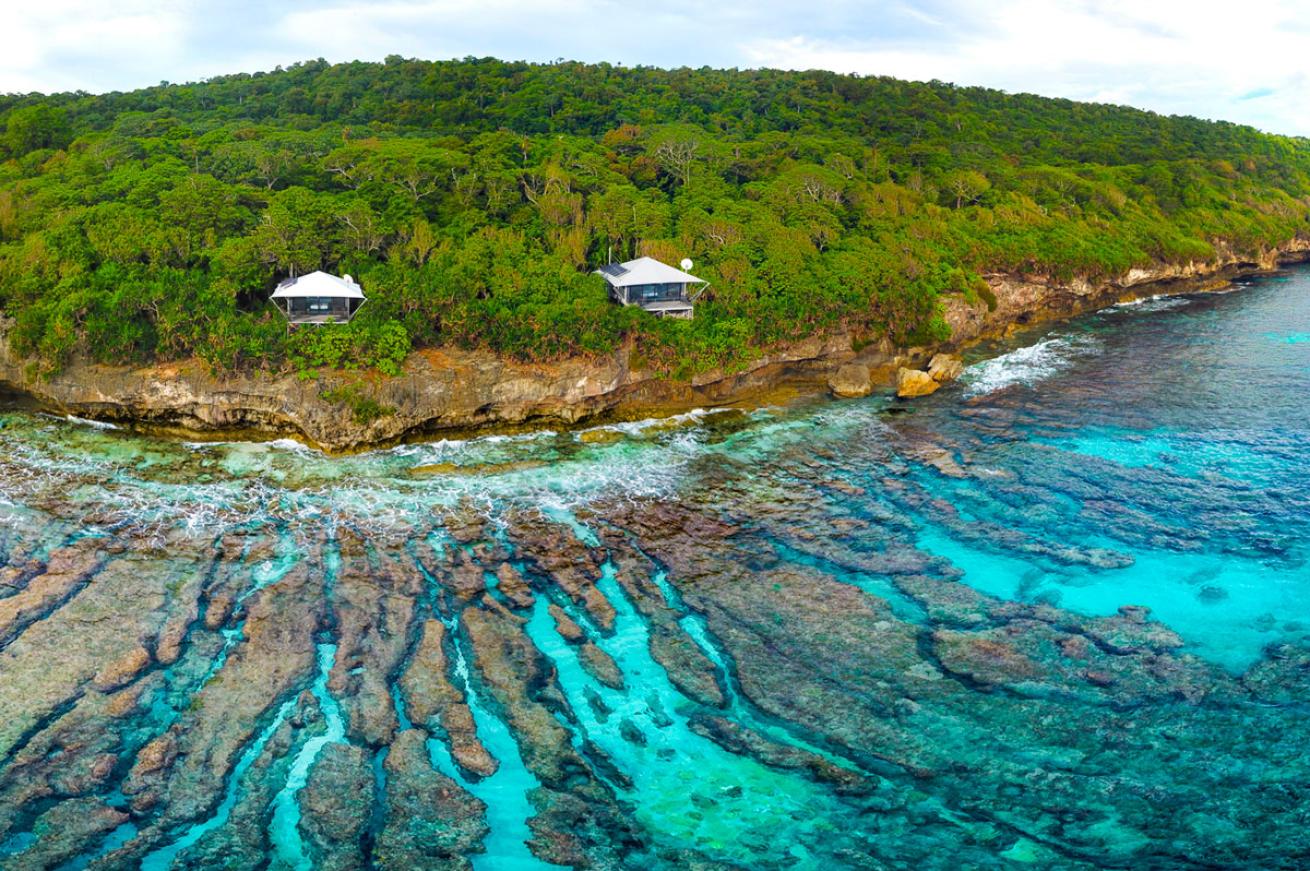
x: 671, y: 308
x: 319, y: 319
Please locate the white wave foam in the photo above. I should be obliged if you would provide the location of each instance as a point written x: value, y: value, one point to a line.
x: 1158, y: 303
x: 252, y: 445
x: 1027, y: 366
x: 647, y: 424
x: 292, y: 445
x: 84, y: 421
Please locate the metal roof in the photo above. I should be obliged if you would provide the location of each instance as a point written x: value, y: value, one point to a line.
x: 318, y: 284
x: 645, y: 270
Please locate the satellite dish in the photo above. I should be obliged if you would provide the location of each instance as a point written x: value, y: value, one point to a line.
x: 686, y: 264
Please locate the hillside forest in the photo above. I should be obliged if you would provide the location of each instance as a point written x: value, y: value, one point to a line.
x: 472, y: 199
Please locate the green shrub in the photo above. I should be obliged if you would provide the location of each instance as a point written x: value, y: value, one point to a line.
x: 363, y: 409
x: 358, y: 345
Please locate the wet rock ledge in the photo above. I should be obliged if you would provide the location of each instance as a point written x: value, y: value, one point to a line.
x: 451, y: 390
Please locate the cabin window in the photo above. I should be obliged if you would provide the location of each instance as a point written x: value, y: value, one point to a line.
x: 651, y: 292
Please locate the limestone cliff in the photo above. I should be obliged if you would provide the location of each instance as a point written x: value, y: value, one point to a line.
x: 461, y: 390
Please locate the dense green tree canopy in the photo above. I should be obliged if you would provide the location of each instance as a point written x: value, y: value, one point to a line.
x: 473, y: 198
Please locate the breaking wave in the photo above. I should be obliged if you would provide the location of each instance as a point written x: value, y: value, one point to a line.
x: 1027, y: 366
x: 1158, y: 303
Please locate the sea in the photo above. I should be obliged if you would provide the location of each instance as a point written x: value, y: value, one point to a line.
x: 1056, y: 614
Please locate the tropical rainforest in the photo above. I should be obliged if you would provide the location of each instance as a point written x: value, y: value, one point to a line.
x: 473, y: 198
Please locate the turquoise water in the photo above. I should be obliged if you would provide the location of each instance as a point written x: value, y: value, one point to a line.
x: 821, y: 562
x: 684, y: 786
x: 165, y: 856
x: 284, y: 832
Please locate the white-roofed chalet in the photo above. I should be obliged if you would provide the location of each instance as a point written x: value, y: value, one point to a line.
x: 657, y: 287
x: 319, y: 298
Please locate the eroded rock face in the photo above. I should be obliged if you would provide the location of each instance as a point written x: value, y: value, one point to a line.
x: 454, y: 389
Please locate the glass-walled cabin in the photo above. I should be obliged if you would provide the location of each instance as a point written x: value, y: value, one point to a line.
x: 322, y: 309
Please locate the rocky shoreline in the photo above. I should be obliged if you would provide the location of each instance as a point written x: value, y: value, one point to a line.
x: 451, y: 391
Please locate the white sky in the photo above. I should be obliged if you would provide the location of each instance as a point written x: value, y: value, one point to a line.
x: 1248, y: 63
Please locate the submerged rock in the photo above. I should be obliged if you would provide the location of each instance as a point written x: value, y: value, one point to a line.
x: 335, y: 807
x: 436, y: 704
x: 989, y: 659
x: 430, y: 821
x: 63, y: 832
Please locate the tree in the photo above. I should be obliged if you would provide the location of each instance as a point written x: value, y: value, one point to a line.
x: 473, y: 198
x: 364, y: 230
x: 33, y: 127
x: 297, y: 231
x: 197, y: 213
x: 677, y: 156
x: 966, y: 186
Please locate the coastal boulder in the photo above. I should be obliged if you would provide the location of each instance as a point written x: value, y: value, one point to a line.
x: 945, y: 367
x: 914, y: 382
x: 851, y: 380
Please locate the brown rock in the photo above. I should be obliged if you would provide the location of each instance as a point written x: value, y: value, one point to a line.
x: 67, y: 829
x: 914, y: 382
x: 515, y: 588
x: 945, y: 367
x: 220, y: 607
x: 465, y: 747
x: 987, y: 658
x: 1098, y: 677
x: 851, y: 380
x: 67, y: 569
x: 155, y: 755
x: 121, y: 671
x: 335, y: 805
x: 509, y: 665
x: 691, y: 672
x: 566, y: 625
x: 373, y: 606
x: 601, y: 666
x: 431, y: 821
x: 467, y: 579
x: 1074, y: 647
x: 437, y: 704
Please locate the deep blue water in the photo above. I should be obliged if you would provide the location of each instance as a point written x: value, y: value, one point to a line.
x: 1192, y: 414
x: 1152, y: 454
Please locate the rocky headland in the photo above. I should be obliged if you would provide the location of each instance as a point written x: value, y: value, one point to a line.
x: 443, y: 390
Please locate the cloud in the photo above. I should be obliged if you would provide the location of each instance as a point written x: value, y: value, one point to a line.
x: 1175, y: 56
x: 1170, y: 56
x: 59, y: 44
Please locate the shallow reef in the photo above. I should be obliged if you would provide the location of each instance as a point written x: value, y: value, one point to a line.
x: 1053, y: 615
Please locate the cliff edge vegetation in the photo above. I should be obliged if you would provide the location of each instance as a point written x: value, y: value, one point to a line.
x: 473, y: 198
